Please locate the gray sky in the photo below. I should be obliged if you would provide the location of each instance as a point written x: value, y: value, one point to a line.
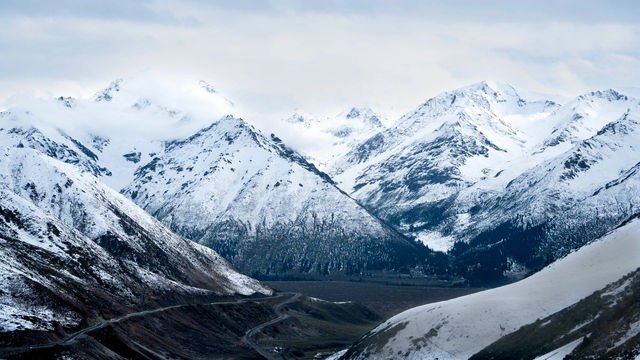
x: 271, y: 57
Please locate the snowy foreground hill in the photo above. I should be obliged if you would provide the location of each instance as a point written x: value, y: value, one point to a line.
x: 503, y: 184
x: 462, y: 327
x: 73, y: 250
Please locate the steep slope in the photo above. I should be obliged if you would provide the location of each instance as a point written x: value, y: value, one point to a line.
x: 585, y: 116
x: 605, y: 324
x: 504, y: 185
x: 74, y: 251
x: 461, y: 327
x: 238, y: 190
x: 263, y: 207
x: 408, y: 173
x: 554, y: 207
x: 119, y: 128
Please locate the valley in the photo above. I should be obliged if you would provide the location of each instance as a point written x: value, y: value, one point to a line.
x: 287, y: 325
x: 385, y: 298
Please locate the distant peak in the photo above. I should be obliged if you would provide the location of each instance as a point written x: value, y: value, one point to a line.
x: 364, y: 113
x: 67, y: 101
x: 225, y: 126
x: 295, y: 118
x: 299, y: 117
x: 485, y: 94
x: 108, y: 93
x: 232, y: 120
x: 493, y: 88
x: 609, y: 95
x: 358, y: 111
x: 207, y: 87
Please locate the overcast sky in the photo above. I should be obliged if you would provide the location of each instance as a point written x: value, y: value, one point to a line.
x: 271, y: 57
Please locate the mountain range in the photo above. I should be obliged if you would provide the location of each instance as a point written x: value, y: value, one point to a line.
x: 243, y: 193
x: 144, y: 196
x: 500, y: 184
x: 504, y: 185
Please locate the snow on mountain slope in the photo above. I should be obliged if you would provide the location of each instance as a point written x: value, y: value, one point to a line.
x: 117, y: 129
x: 604, y: 325
x: 478, y: 171
x: 123, y: 229
x: 458, y: 328
x: 447, y: 144
x: 554, y: 207
x: 265, y: 191
x: 325, y: 139
x: 73, y: 249
x: 584, y: 116
x: 503, y: 184
x: 263, y: 207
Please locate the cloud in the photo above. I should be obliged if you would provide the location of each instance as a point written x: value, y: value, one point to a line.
x: 147, y: 106
x: 273, y: 56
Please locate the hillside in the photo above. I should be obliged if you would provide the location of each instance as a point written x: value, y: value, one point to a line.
x: 461, y: 327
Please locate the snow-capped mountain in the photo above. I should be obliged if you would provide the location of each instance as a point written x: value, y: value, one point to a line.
x: 585, y: 116
x: 73, y: 249
x: 325, y: 139
x: 482, y: 166
x: 263, y: 206
x: 246, y: 195
x: 557, y: 205
x: 459, y: 328
x: 117, y: 129
x: 407, y: 172
x: 503, y: 184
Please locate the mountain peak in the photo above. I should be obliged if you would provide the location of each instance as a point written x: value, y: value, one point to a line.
x: 225, y: 123
x: 237, y: 123
x: 108, y: 93
x: 497, y: 90
x: 608, y: 94
x: 486, y: 94
x: 207, y: 87
x: 67, y: 101
x: 363, y: 113
x: 302, y: 118
x: 358, y: 111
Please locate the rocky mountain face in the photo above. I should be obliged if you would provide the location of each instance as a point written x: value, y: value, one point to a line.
x: 503, y: 184
x: 100, y: 197
x: 562, y: 203
x: 248, y: 196
x: 75, y: 250
x: 406, y: 171
x: 584, y: 305
x: 264, y: 207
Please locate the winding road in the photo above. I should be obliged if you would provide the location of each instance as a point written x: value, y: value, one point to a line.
x: 246, y: 338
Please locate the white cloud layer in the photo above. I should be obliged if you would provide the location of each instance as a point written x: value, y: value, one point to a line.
x: 271, y: 57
